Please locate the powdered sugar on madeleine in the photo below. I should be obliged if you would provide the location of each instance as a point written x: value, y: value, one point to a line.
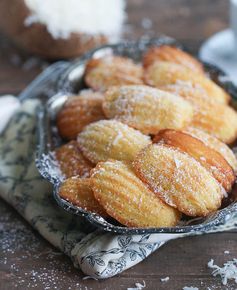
x: 188, y: 186
x: 147, y: 109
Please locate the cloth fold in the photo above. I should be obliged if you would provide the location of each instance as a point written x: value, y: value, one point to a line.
x: 98, y: 254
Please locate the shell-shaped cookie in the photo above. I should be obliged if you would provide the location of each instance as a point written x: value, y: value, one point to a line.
x: 162, y: 74
x: 127, y: 199
x: 106, y: 139
x: 179, y: 180
x: 78, y: 192
x: 171, y: 54
x: 102, y: 73
x: 147, y: 109
x: 78, y: 112
x: 212, y: 160
x: 217, y: 119
x: 215, y: 144
x: 189, y: 92
x: 71, y: 160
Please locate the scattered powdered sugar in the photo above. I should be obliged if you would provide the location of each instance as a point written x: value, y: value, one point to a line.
x: 28, y: 262
x: 63, y: 17
x: 138, y: 286
x: 49, y: 165
x: 227, y: 272
x: 166, y: 279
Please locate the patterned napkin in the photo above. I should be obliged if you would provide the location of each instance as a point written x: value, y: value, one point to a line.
x: 97, y: 253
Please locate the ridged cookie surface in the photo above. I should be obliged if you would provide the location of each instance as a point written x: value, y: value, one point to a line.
x: 78, y: 112
x: 107, y: 139
x: 171, y: 54
x: 127, y: 199
x: 212, y: 160
x: 78, y: 192
x: 215, y: 144
x: 71, y: 161
x: 216, y: 119
x: 162, y: 74
x: 102, y: 73
x: 179, y: 180
x: 147, y: 109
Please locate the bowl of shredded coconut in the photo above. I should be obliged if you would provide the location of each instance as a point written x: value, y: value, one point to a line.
x: 62, y: 28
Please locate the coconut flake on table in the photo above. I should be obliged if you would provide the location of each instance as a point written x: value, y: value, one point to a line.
x: 166, y: 279
x: 227, y: 272
x: 138, y: 286
x: 64, y: 17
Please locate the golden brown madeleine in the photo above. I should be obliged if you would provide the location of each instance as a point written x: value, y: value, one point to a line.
x: 102, y: 73
x: 189, y: 92
x: 215, y: 118
x: 171, y: 54
x: 147, y: 109
x: 71, y: 160
x: 78, y: 192
x: 212, y: 160
x: 162, y: 74
x: 179, y: 180
x: 106, y: 139
x: 127, y: 199
x: 215, y: 144
x: 78, y: 112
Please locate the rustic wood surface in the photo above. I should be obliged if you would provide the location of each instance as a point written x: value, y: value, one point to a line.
x: 29, y: 262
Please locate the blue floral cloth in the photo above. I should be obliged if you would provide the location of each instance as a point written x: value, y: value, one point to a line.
x: 98, y: 254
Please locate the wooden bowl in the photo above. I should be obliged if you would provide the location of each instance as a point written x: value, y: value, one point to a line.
x: 36, y: 39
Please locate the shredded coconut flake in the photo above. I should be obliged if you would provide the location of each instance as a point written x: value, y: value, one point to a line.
x: 227, y: 272
x: 139, y: 286
x: 166, y: 279
x: 190, y: 288
x: 63, y: 17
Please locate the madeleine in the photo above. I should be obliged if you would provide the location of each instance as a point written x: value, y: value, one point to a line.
x: 71, y: 160
x: 78, y: 112
x: 162, y: 74
x: 102, y: 73
x: 179, y: 180
x: 171, y: 54
x: 212, y: 160
x: 215, y: 144
x: 78, y: 192
x: 127, y: 199
x: 147, y: 109
x: 107, y: 139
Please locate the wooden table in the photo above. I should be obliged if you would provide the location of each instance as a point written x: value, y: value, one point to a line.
x: 29, y: 262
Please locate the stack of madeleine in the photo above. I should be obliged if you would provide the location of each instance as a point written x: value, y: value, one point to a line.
x: 147, y: 143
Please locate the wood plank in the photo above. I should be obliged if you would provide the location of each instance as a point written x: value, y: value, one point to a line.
x: 29, y: 262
